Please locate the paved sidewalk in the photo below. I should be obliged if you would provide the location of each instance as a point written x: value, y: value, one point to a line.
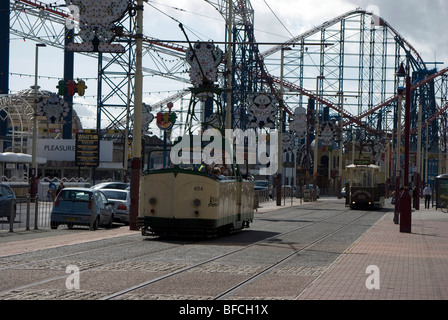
x: 411, y: 266
x: 33, y: 240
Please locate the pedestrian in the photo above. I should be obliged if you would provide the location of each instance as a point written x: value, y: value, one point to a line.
x: 61, y: 186
x: 427, y: 192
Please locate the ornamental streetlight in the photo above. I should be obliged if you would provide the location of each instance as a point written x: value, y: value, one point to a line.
x: 405, y: 200
x: 400, y: 74
x: 280, y: 129
x: 33, y: 171
x: 316, y: 139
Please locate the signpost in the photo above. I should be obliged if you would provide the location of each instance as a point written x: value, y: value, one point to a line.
x: 87, y: 150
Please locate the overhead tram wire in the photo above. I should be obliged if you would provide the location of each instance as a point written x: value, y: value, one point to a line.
x: 275, y: 15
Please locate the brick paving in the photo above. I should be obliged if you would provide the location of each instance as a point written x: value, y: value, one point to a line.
x: 29, y: 241
x: 411, y: 266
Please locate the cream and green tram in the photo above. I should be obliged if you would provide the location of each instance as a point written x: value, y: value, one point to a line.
x: 187, y: 202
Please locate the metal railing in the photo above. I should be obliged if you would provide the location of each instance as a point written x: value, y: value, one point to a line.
x: 29, y: 213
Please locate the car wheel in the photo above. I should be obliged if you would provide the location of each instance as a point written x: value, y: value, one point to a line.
x: 53, y: 225
x: 111, y: 221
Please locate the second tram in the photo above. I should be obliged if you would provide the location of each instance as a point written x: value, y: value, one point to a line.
x: 364, y: 190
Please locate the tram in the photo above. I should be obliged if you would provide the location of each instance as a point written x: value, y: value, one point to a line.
x: 183, y: 201
x: 364, y: 191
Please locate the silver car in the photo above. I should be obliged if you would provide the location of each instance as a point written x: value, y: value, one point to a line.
x: 112, y: 185
x: 81, y: 206
x: 121, y: 200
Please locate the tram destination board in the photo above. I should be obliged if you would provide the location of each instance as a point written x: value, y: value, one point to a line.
x: 87, y: 150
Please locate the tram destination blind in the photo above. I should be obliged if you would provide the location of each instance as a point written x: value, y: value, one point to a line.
x: 87, y: 150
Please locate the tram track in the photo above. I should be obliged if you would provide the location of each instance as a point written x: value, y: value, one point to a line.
x: 187, y: 268
x: 248, y: 280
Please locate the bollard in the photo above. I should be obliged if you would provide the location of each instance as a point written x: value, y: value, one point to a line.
x: 28, y: 200
x: 92, y: 213
x: 11, y: 217
x: 36, y: 211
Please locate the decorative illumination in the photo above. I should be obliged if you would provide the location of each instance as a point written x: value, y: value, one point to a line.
x: 96, y: 24
x: 53, y: 108
x: 327, y: 133
x: 204, y: 60
x: 147, y: 116
x: 298, y: 124
x: 262, y: 111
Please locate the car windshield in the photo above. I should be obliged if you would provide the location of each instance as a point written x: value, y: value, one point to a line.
x: 75, y: 195
x: 261, y: 183
x: 115, y: 194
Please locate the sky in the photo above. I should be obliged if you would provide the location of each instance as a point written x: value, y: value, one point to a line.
x: 421, y: 22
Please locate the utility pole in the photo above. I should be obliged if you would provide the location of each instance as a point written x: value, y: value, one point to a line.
x: 136, y: 164
x: 229, y: 67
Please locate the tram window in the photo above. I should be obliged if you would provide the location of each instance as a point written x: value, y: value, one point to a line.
x: 362, y: 178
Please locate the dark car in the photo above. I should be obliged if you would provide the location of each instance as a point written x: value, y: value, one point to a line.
x: 81, y: 206
x: 121, y: 201
x: 7, y: 199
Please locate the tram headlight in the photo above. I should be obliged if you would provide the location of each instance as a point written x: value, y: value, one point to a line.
x: 197, y: 202
x: 152, y: 201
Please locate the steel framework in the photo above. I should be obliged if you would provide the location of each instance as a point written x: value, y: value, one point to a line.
x: 358, y: 67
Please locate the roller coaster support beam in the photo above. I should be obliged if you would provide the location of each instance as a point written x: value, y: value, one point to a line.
x: 405, y: 200
x: 136, y: 164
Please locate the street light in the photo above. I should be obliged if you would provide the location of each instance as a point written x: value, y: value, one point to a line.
x: 33, y: 171
x: 280, y: 129
x: 400, y: 74
x: 316, y: 134
x: 405, y: 201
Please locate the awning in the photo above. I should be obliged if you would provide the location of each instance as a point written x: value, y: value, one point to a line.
x: 12, y: 157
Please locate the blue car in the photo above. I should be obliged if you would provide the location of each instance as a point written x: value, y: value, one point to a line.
x: 7, y: 198
x: 83, y: 207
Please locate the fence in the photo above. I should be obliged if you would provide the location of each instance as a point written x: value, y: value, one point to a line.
x: 29, y: 214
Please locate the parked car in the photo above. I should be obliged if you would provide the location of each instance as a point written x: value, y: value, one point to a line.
x: 121, y: 201
x: 343, y: 192
x: 78, y: 206
x: 263, y: 185
x: 311, y: 187
x: 112, y: 185
x: 7, y: 198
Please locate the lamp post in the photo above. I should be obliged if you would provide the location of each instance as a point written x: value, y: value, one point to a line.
x: 400, y: 74
x: 387, y: 156
x: 136, y: 163
x: 33, y: 171
x: 280, y: 129
x: 316, y: 139
x: 405, y: 200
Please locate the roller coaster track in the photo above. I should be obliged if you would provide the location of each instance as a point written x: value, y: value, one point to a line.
x: 58, y: 16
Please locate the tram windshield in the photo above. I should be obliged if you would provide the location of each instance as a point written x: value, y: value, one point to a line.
x: 363, y: 176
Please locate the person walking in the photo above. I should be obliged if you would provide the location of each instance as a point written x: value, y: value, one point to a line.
x: 427, y: 192
x: 61, y: 186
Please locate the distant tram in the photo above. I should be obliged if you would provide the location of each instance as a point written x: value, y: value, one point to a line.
x: 364, y: 191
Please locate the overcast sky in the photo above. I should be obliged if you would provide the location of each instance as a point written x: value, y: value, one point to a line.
x: 423, y: 23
